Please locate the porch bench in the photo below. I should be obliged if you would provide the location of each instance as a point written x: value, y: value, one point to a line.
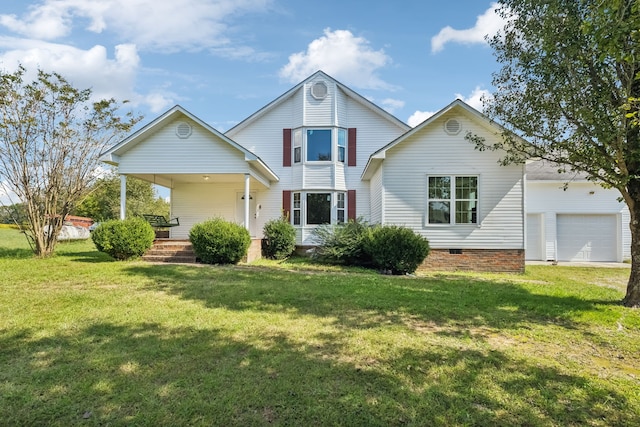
x: 158, y: 221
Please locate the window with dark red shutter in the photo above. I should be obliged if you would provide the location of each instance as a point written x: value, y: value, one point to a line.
x: 286, y: 203
x: 351, y: 204
x: 286, y: 147
x: 351, y: 157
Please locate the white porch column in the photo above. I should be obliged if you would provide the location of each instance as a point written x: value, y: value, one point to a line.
x: 246, y: 202
x: 123, y: 196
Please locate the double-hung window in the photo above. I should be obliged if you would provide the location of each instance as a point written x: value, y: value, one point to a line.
x: 297, y: 206
x: 452, y: 200
x: 342, y: 144
x: 297, y: 146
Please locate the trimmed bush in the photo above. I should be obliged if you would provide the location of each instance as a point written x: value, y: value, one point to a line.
x: 343, y: 243
x: 217, y: 241
x: 124, y: 239
x: 396, y: 249
x: 279, y: 238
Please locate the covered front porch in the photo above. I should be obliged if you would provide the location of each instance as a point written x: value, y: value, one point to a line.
x: 208, y: 175
x: 195, y: 198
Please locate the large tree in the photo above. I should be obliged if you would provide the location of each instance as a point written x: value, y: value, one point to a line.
x: 569, y: 85
x: 51, y: 135
x: 103, y: 202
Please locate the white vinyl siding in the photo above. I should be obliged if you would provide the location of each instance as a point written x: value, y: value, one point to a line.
x: 376, y: 197
x: 165, y: 153
x: 432, y: 152
x: 551, y: 200
x: 535, y: 237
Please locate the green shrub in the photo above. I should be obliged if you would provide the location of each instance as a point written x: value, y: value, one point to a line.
x: 279, y: 239
x: 343, y: 243
x: 396, y: 249
x: 124, y: 239
x: 217, y: 241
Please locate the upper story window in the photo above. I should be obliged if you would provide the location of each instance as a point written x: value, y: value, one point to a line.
x: 319, y: 144
x: 342, y: 144
x: 297, y: 146
x: 452, y: 200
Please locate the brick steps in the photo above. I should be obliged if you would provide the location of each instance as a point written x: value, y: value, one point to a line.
x: 164, y: 250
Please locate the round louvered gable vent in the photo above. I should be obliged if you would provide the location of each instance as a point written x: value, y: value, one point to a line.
x: 319, y: 90
x: 183, y: 130
x: 452, y: 127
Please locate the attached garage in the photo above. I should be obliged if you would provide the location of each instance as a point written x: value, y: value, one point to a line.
x: 587, y: 237
x: 535, y: 238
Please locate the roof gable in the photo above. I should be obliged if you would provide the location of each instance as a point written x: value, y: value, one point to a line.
x: 457, y: 106
x: 295, y: 89
x: 113, y: 154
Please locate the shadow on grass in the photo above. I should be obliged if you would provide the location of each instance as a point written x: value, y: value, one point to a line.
x: 106, y: 374
x: 364, y: 301
x: 16, y: 253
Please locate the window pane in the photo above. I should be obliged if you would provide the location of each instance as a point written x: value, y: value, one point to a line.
x: 297, y: 155
x: 439, y: 187
x: 341, y: 216
x: 296, y: 217
x: 439, y: 212
x: 296, y: 200
x: 318, y: 208
x: 466, y: 212
x: 318, y: 145
x: 342, y: 143
x: 340, y: 200
x: 466, y: 187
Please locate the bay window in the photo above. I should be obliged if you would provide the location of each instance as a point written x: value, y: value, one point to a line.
x: 316, y: 208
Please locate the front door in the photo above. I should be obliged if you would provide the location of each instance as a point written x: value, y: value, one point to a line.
x: 252, y: 212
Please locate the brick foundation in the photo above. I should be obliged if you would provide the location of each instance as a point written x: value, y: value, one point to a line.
x: 489, y: 260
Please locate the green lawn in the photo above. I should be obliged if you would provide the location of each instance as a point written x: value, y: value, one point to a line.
x: 88, y: 341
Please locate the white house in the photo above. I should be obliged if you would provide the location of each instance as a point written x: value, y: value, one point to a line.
x: 321, y: 153
x: 572, y: 219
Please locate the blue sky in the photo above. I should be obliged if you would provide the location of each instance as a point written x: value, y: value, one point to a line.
x: 224, y: 59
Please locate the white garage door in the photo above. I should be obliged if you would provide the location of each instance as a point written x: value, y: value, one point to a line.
x: 587, y: 237
x: 534, y: 238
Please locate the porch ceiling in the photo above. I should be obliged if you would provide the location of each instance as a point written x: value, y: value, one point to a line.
x: 169, y: 180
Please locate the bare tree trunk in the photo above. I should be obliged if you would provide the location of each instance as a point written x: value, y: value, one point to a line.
x: 632, y: 298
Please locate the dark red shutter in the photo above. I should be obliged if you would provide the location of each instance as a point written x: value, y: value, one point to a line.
x: 286, y: 204
x: 351, y: 204
x: 351, y: 155
x: 286, y: 147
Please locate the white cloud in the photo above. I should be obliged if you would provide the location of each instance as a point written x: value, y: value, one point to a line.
x: 418, y: 117
x: 487, y: 24
x: 392, y: 105
x: 7, y: 197
x: 475, y: 98
x: 92, y: 68
x: 342, y: 55
x: 161, y: 25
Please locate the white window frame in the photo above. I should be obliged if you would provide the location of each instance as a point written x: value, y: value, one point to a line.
x: 339, y: 145
x: 452, y: 200
x: 299, y: 204
x: 297, y: 146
